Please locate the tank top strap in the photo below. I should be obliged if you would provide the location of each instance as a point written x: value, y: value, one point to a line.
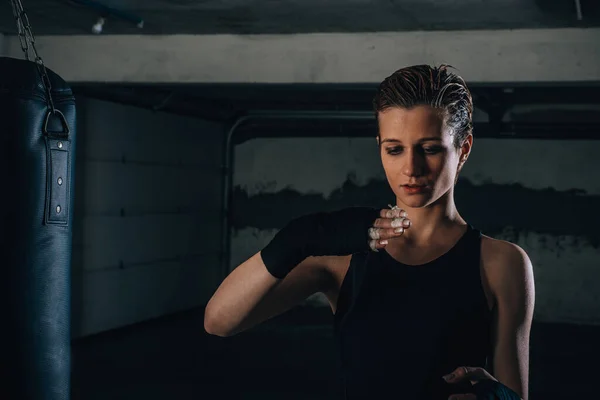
x: 468, y: 250
x: 473, y: 247
x: 468, y: 256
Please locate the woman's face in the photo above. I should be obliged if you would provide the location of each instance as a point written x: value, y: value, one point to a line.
x: 418, y: 154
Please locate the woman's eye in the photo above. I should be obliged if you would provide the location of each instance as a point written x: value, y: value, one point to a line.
x: 424, y: 150
x: 394, y: 150
x: 432, y: 150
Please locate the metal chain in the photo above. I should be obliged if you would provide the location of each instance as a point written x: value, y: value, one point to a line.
x: 27, y: 41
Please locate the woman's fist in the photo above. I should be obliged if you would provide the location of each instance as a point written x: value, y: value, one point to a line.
x: 391, y: 223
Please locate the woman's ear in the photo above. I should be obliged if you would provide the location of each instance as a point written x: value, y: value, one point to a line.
x: 465, y: 149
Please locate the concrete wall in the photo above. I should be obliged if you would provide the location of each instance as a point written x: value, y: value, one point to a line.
x: 540, y: 194
x: 520, y: 55
x: 147, y: 215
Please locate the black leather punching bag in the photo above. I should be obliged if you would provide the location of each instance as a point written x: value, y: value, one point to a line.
x: 37, y: 163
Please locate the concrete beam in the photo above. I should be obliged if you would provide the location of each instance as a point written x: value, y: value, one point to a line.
x: 3, y: 45
x: 542, y: 55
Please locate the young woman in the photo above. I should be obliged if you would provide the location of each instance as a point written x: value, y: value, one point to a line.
x: 426, y: 307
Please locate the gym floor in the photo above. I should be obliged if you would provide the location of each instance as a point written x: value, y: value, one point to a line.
x: 290, y: 357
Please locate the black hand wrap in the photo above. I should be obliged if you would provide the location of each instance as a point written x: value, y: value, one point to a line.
x: 322, y: 234
x: 493, y: 390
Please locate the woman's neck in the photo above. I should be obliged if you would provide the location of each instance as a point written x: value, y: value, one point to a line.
x: 429, y: 221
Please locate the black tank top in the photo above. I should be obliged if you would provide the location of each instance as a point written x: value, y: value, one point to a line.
x: 400, y: 328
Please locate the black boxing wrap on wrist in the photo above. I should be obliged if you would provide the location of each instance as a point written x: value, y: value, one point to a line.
x: 488, y: 389
x: 321, y: 234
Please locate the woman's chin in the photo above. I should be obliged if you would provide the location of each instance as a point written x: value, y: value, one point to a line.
x: 416, y: 201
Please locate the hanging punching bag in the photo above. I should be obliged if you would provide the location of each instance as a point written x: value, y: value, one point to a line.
x: 37, y: 117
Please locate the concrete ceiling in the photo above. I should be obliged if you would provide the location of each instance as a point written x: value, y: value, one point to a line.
x: 225, y: 103
x: 67, y: 17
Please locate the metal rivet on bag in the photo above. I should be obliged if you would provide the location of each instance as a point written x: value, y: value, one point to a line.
x: 60, y: 145
x: 58, y: 209
x: 59, y: 181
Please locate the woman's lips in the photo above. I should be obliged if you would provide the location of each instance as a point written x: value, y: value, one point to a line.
x: 414, y: 189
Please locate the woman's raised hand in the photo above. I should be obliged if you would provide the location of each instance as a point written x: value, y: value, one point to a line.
x: 391, y: 224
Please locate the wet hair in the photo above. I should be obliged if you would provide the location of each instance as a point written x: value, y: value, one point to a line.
x: 433, y: 86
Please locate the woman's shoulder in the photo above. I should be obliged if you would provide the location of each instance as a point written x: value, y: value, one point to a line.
x: 504, y: 262
x: 498, y: 249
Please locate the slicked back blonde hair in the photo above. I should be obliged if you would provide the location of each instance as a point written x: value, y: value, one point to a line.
x: 433, y: 86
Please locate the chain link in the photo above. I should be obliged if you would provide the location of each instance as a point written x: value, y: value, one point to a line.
x: 27, y: 41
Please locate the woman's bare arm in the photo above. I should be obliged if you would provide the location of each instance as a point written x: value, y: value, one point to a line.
x: 251, y: 295
x: 512, y: 282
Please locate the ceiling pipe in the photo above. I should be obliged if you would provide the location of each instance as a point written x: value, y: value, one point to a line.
x: 578, y: 9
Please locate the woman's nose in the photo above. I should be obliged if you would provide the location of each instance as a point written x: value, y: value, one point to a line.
x: 413, y: 164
